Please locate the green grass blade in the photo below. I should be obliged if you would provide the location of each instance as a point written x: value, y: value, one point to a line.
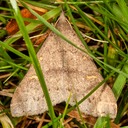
x: 95, y: 28
x: 13, y: 64
x: 102, y: 122
x: 64, y: 113
x: 34, y: 59
x: 3, y: 44
x: 120, y: 81
x: 4, y: 54
x: 40, y: 4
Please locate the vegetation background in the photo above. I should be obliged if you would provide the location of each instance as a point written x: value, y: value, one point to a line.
x: 102, y: 24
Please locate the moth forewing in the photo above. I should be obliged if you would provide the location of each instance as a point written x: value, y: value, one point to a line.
x: 66, y: 70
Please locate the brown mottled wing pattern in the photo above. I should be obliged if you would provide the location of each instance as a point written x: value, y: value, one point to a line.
x: 67, y: 71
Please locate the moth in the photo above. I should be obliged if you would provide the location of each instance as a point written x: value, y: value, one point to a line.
x: 67, y: 71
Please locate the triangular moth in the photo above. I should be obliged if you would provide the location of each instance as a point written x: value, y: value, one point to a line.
x: 67, y: 70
